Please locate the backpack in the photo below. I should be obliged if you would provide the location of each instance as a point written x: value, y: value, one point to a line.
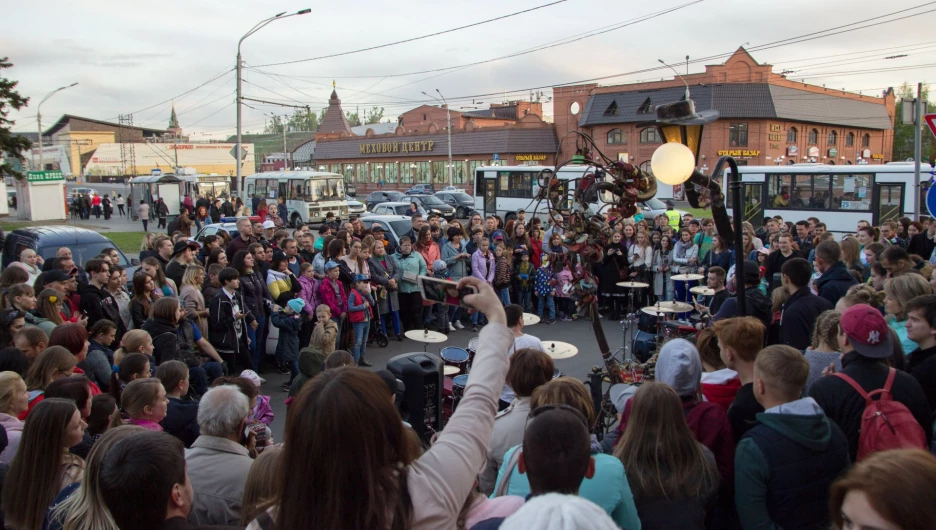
x: 885, y: 423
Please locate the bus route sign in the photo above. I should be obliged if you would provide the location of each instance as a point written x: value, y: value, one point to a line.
x: 44, y: 176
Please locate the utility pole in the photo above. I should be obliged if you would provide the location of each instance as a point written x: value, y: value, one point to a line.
x: 285, y: 152
x: 448, y: 119
x: 39, y: 122
x: 917, y: 149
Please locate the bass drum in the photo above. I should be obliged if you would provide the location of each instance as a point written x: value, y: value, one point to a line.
x: 644, y: 346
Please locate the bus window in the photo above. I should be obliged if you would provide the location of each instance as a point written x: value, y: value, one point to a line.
x: 851, y: 192
x: 803, y: 194
x: 778, y: 191
x: 297, y: 189
x: 250, y: 190
x: 479, y: 184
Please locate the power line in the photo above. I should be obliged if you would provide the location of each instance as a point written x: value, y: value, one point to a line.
x: 421, y: 37
x: 179, y: 95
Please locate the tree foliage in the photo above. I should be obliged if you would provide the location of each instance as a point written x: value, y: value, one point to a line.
x: 302, y: 120
x: 374, y: 115
x: 10, y: 146
x: 903, y: 134
x: 353, y: 119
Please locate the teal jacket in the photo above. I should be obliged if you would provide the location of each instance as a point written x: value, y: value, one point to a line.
x: 608, y: 488
x: 413, y: 263
x: 803, y: 423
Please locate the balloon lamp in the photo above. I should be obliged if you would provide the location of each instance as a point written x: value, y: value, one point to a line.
x: 672, y: 163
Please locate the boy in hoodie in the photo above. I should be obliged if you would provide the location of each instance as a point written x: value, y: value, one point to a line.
x: 786, y: 463
x: 289, y: 321
x: 325, y: 332
x: 720, y: 384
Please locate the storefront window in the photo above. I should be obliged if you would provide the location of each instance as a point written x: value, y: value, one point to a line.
x: 423, y: 172
x: 737, y: 134
x: 440, y: 172
x: 349, y: 172
x: 334, y: 168
x: 649, y: 136
x: 391, y: 173
x: 377, y: 172
x: 407, y: 172
x: 361, y: 173
x: 458, y: 173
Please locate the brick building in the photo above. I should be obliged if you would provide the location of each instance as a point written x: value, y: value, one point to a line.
x: 415, y: 151
x: 764, y: 118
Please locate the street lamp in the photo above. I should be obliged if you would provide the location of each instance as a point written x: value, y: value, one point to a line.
x: 448, y: 118
x: 239, y: 68
x: 675, y: 163
x: 39, y: 121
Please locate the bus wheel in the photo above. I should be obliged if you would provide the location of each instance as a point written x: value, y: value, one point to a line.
x: 294, y: 220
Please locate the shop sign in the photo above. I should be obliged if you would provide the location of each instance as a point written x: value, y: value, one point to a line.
x: 812, y: 152
x: 792, y: 150
x: 866, y: 153
x: 877, y: 157
x: 530, y: 157
x: 396, y: 147
x: 739, y: 152
x: 833, y: 152
x: 44, y: 176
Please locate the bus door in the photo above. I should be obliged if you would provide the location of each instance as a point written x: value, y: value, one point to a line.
x: 753, y: 199
x: 490, y: 196
x: 887, y: 202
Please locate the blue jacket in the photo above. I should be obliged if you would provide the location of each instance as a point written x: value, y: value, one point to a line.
x: 798, y: 317
x: 458, y: 268
x: 181, y: 420
x: 834, y: 282
x: 287, y: 347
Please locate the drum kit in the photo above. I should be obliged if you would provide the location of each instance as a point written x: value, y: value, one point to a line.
x: 425, y: 336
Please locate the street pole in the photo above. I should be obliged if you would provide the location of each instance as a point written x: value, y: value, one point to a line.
x: 917, y: 149
x: 448, y: 117
x: 285, y: 153
x: 39, y: 122
x: 238, y: 148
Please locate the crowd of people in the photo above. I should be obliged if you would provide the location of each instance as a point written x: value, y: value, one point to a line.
x: 142, y: 407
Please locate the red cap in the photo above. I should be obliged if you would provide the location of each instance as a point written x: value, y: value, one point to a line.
x: 866, y: 331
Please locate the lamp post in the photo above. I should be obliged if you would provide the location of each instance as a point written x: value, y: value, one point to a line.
x: 39, y: 121
x: 239, y: 69
x: 448, y: 119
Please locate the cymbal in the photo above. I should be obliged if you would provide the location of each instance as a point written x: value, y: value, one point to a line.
x: 677, y: 307
x: 450, y: 370
x: 529, y: 319
x: 655, y: 311
x: 560, y: 350
x: 687, y: 277
x: 702, y: 291
x: 425, y: 335
x: 633, y: 285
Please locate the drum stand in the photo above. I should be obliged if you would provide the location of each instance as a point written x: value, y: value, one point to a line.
x: 628, y: 324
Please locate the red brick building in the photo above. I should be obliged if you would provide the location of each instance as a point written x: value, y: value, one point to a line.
x: 764, y: 118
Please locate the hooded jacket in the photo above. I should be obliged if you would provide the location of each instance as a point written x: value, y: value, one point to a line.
x: 14, y: 432
x: 458, y: 268
x: 756, y: 305
x: 834, y: 282
x: 798, y: 316
x: 221, y: 323
x: 311, y: 363
x: 720, y: 386
x: 181, y: 420
x: 168, y: 345
x: 175, y: 271
x: 100, y: 304
x: 922, y: 366
x: 287, y: 347
x: 784, y: 466
x: 412, y: 263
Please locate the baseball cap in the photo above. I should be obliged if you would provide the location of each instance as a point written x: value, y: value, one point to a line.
x: 764, y: 250
x: 331, y: 265
x: 394, y: 385
x: 268, y: 224
x: 54, y: 275
x: 866, y: 331
x: 376, y: 228
x: 361, y: 278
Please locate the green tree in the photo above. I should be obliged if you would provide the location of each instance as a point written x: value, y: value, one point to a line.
x: 374, y: 115
x: 10, y: 146
x: 353, y: 119
x: 903, y: 134
x: 275, y: 126
x: 303, y: 120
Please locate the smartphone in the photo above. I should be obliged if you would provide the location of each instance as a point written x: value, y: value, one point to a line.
x: 444, y: 291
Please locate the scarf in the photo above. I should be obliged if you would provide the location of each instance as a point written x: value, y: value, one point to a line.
x: 681, y: 248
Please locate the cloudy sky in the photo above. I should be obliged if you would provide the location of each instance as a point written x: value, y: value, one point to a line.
x: 140, y: 57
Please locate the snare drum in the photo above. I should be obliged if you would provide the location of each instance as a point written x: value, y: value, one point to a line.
x: 459, y: 382
x: 457, y: 357
x: 472, y: 349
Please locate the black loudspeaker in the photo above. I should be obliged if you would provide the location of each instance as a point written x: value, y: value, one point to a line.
x: 421, y: 402
x: 644, y: 346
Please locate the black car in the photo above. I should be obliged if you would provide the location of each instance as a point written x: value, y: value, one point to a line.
x: 420, y: 189
x: 377, y: 197
x: 350, y: 190
x: 433, y: 204
x: 462, y: 202
x: 46, y: 240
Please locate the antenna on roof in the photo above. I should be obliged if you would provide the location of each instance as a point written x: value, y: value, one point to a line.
x: 677, y: 75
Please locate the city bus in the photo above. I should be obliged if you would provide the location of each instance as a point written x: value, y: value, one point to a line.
x: 209, y: 186
x: 502, y: 190
x: 310, y: 195
x: 838, y: 195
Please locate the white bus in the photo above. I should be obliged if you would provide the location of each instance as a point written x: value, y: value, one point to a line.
x: 502, y: 190
x: 209, y: 186
x: 838, y: 195
x: 310, y: 195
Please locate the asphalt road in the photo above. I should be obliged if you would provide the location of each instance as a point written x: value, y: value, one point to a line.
x: 578, y: 333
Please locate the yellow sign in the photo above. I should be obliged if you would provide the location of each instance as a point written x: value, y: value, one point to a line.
x: 775, y: 137
x: 775, y: 127
x: 877, y: 157
x: 530, y: 157
x: 739, y: 152
x: 396, y: 147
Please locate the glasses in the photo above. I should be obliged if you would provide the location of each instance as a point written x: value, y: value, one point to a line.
x: 558, y: 406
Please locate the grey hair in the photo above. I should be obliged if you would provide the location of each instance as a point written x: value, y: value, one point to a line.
x: 221, y: 411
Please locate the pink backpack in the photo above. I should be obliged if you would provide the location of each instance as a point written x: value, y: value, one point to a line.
x: 885, y: 423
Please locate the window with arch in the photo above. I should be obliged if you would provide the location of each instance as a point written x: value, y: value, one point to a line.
x: 616, y: 136
x: 833, y: 137
x: 866, y: 140
x: 645, y: 167
x: 814, y: 136
x: 850, y: 139
x: 649, y: 136
x: 791, y: 135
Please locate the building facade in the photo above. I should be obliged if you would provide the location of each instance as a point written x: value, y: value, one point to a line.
x: 764, y: 118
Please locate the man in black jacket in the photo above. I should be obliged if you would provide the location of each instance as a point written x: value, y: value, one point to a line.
x: 865, y: 343
x: 755, y: 303
x: 776, y: 259
x: 800, y: 312
x: 227, y: 321
x: 803, y: 238
x: 921, y: 328
x: 215, y: 211
x: 835, y: 280
x: 97, y: 303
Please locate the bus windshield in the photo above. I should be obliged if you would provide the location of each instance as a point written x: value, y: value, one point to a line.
x: 331, y: 189
x: 213, y: 190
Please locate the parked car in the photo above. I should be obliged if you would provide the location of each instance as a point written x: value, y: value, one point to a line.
x: 212, y: 229
x: 377, y: 197
x: 395, y: 226
x: 420, y: 189
x: 84, y: 191
x: 356, y: 207
x: 463, y: 203
x: 390, y: 208
x: 453, y: 189
x: 350, y: 189
x: 433, y: 204
x: 46, y: 240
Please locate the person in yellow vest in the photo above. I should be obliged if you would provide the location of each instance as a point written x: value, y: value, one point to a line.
x: 672, y: 216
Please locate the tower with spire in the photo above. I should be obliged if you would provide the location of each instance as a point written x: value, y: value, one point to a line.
x: 174, y: 129
x: 334, y: 124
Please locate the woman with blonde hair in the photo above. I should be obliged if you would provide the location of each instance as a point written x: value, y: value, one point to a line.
x: 14, y: 400
x: 55, y: 362
x: 260, y: 488
x: 144, y: 402
x: 899, y: 291
x: 192, y: 299
x: 823, y: 351
x: 673, y: 477
x: 861, y: 294
x: 48, y: 313
x: 608, y: 487
x: 134, y: 341
x: 146, y: 246
x: 851, y: 254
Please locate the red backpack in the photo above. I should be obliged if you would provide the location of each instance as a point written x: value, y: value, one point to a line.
x: 885, y: 423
